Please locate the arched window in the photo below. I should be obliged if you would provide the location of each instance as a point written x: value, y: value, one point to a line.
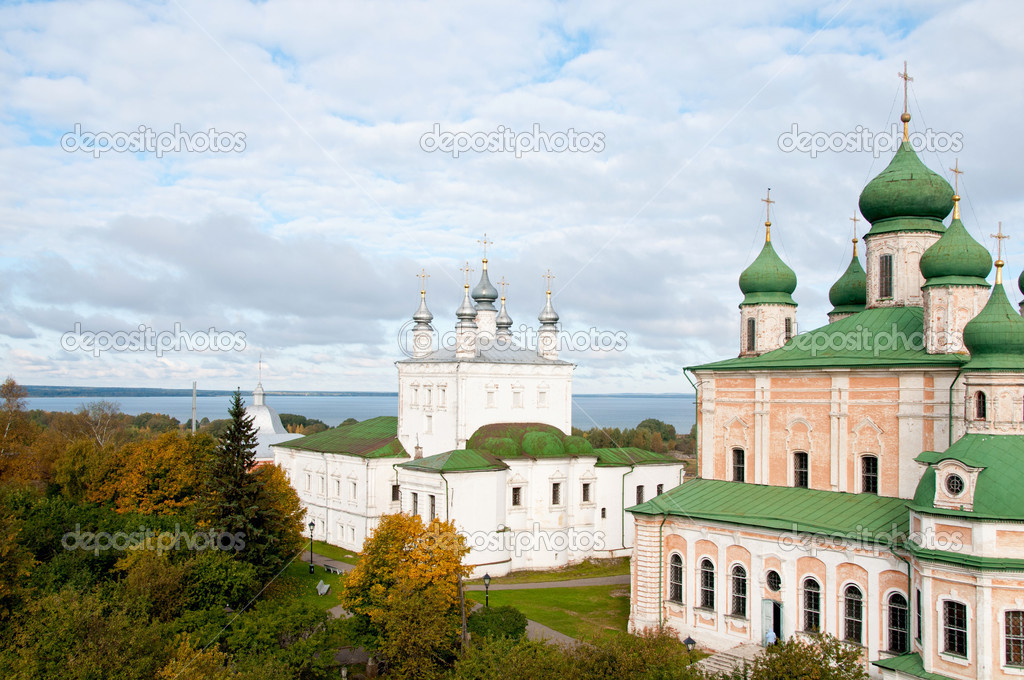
x: 739, y: 467
x: 801, y: 471
x: 869, y: 474
x: 979, y: 406
x: 899, y: 624
x: 751, y: 334
x: 739, y: 591
x: 1015, y: 638
x: 853, y: 615
x: 675, y: 578
x: 885, y: 276
x: 812, y: 606
x: 707, y: 584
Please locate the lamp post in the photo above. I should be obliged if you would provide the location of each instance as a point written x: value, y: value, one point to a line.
x: 690, y: 643
x: 311, y: 525
x: 487, y: 590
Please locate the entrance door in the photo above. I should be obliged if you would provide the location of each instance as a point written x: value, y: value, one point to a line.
x: 771, y: 620
x: 777, y: 619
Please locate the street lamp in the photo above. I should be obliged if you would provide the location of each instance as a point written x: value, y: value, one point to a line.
x: 487, y: 590
x: 311, y: 525
x: 690, y: 643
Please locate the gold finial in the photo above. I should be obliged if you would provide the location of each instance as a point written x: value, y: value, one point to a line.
x: 548, y: 276
x: 906, y: 113
x: 1000, y: 236
x: 855, y: 220
x: 423, y: 276
x: 503, y: 283
x: 468, y: 270
x: 768, y: 215
x: 485, y: 243
x: 956, y: 188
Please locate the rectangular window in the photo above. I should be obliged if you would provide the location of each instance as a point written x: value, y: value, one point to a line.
x: 739, y: 468
x: 542, y: 399
x: 1015, y: 638
x: 337, y: 487
x: 396, y: 492
x: 556, y: 493
x: 352, y: 534
x: 801, y: 474
x: 517, y: 496
x: 954, y: 619
x: 323, y: 484
x: 885, y: 276
x: 789, y: 330
x: 660, y: 489
x: 428, y: 393
x: 604, y: 513
x: 586, y: 492
x: 517, y: 399
x: 639, y: 494
x: 919, y: 611
x: 415, y: 396
x: 751, y: 335
x: 415, y: 503
x: 869, y: 474
x: 309, y: 481
x: 441, y: 394
x: 352, y: 489
x: 490, y: 398
x: 433, y: 506
x: 428, y: 426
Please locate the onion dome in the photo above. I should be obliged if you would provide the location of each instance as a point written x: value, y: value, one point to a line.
x: 466, y: 313
x: 503, y: 322
x: 1020, y: 283
x: 547, y: 316
x: 906, y: 196
x: 484, y: 294
x: 849, y: 294
x: 423, y: 317
x: 768, y: 279
x: 956, y: 258
x: 995, y: 338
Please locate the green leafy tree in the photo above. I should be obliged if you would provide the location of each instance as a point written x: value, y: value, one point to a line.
x: 821, y: 658
x: 506, y: 621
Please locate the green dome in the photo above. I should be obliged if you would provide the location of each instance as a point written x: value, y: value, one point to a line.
x: 850, y: 292
x: 906, y: 196
x: 956, y: 259
x: 768, y: 279
x: 995, y: 338
x: 1020, y: 283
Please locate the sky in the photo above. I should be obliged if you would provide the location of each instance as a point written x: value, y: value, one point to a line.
x: 297, y: 166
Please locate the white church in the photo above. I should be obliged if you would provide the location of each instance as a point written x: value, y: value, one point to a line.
x: 482, y: 437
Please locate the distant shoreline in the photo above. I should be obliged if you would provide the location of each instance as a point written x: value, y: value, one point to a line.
x: 37, y: 391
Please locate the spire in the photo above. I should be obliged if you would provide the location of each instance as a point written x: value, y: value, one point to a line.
x: 768, y: 216
x: 548, y: 316
x: 466, y: 311
x: 1000, y: 237
x: 484, y: 294
x: 504, y: 321
x: 956, y: 188
x: 855, y: 221
x: 257, y: 394
x: 956, y: 258
x: 906, y: 113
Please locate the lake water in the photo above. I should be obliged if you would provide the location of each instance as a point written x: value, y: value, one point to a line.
x: 587, y: 410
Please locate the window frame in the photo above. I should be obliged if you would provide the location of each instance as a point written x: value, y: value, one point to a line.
x: 706, y: 574
x: 865, y: 475
x: 893, y: 629
x: 517, y: 496
x: 954, y: 633
x: 886, y: 276
x: 812, y: 614
x: 739, y: 471
x: 980, y: 406
x: 675, y: 578
x: 853, y: 614
x: 1017, y: 638
x: 556, y: 494
x: 804, y: 473
x: 751, y: 334
x: 585, y: 493
x: 738, y: 601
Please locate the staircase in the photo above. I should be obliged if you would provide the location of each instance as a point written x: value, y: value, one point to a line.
x: 730, y: 659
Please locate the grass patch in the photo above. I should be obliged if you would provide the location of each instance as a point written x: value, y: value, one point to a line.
x: 577, y: 612
x: 590, y: 568
x: 296, y: 583
x: 333, y: 552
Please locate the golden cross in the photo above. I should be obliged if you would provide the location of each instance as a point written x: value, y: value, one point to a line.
x: 855, y: 220
x: 503, y: 283
x: 956, y: 176
x: 423, y: 276
x: 768, y: 207
x: 468, y: 270
x: 1001, y: 236
x: 485, y: 243
x: 906, y: 81
x: 548, y: 276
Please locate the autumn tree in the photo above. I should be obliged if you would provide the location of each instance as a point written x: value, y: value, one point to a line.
x: 821, y: 658
x: 13, y: 418
x: 404, y: 594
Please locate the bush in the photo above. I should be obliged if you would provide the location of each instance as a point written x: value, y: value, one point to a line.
x: 497, y: 622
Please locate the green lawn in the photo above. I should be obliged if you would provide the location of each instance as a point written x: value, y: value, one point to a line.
x: 592, y: 568
x: 296, y: 583
x: 335, y: 553
x: 577, y: 612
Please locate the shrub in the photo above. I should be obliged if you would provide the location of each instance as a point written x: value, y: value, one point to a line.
x: 497, y: 622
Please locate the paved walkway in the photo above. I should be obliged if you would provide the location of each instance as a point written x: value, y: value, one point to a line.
x: 337, y: 566
x: 621, y: 580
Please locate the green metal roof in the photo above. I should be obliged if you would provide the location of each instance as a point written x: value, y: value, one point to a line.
x: 997, y: 494
x: 906, y: 196
x: 887, y: 336
x: 373, y: 438
x: 995, y: 337
x: 962, y: 559
x: 909, y: 664
x: 461, y: 460
x: 864, y: 517
x: 631, y: 455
